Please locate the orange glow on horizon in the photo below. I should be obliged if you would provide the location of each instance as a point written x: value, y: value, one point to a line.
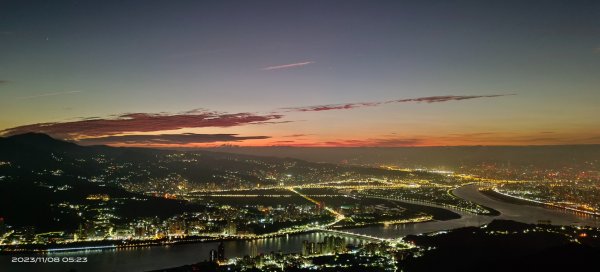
x: 369, y: 142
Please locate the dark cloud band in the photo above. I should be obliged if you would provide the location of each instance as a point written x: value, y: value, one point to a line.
x: 168, y: 139
x: 428, y: 99
x: 141, y: 122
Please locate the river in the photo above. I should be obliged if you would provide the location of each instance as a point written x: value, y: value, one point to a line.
x: 151, y: 258
x: 524, y: 213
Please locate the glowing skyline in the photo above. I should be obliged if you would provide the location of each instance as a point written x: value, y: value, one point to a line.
x: 335, y: 73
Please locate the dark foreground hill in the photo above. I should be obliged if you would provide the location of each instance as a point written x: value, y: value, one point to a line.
x: 506, y: 246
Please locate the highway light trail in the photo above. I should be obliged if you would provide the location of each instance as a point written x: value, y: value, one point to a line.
x: 338, y: 216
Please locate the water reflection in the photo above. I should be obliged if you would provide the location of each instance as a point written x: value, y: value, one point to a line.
x: 151, y: 258
x: 526, y: 213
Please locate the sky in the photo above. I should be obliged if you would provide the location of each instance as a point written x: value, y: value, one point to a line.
x: 302, y: 73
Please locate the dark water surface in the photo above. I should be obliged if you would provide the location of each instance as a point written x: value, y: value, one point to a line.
x: 151, y: 258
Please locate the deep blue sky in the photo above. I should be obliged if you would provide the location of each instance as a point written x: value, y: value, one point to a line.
x: 65, y: 60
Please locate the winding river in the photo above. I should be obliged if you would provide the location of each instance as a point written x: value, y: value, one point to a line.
x: 151, y: 258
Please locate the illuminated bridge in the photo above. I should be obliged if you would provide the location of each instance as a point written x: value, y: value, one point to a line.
x: 355, y: 235
x: 392, y: 242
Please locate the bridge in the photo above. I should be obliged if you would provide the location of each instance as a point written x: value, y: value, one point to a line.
x: 355, y: 235
x: 392, y: 242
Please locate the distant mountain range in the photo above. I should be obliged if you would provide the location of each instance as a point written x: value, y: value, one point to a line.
x: 34, y: 152
x: 38, y: 173
x: 446, y: 156
x: 23, y: 145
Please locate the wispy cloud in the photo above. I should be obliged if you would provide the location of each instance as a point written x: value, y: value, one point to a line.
x: 167, y: 139
x: 368, y: 142
x: 46, y: 95
x: 140, y: 122
x: 287, y: 66
x: 427, y: 99
x: 506, y: 138
x: 380, y: 142
x: 295, y: 135
x: 346, y: 106
x: 108, y: 129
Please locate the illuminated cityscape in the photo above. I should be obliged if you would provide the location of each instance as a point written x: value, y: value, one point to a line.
x: 96, y: 199
x: 299, y: 136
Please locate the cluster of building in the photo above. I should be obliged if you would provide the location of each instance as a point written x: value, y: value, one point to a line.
x: 331, y: 252
x: 100, y: 220
x: 330, y: 245
x: 577, y: 196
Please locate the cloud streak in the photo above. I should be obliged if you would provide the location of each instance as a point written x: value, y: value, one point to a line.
x: 427, y: 99
x: 46, y: 95
x: 167, y: 139
x: 109, y: 130
x: 141, y: 122
x: 287, y: 66
x: 368, y: 142
x: 381, y: 142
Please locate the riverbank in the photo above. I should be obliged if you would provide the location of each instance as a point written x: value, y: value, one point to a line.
x: 510, y: 199
x: 435, y: 214
x: 523, y: 201
x: 160, y: 257
x: 125, y: 244
x: 523, y: 211
x: 105, y: 244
